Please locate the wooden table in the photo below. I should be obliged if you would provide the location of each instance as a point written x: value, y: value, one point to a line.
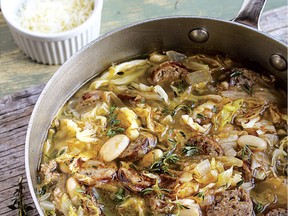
x: 17, y: 72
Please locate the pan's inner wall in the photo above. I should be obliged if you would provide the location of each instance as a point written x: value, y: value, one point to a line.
x: 230, y: 38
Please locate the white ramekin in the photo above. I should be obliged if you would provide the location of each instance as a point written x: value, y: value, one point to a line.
x: 54, y: 48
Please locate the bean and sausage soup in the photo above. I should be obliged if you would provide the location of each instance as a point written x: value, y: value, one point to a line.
x: 170, y: 134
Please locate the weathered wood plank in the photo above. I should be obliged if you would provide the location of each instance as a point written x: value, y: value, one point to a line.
x: 15, y: 111
x: 275, y: 23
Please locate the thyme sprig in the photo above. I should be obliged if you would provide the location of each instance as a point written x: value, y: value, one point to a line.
x: 200, y: 195
x: 156, y: 189
x: 236, y: 73
x: 248, y: 88
x: 120, y: 196
x: 258, y: 208
x: 18, y: 200
x: 181, y: 107
x: 246, y: 153
x: 113, y: 123
x: 161, y: 165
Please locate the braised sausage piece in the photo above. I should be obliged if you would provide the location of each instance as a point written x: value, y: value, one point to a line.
x: 167, y: 72
x: 93, y: 96
x: 247, y: 171
x: 138, y: 148
x: 277, y: 212
x: 235, y: 202
x: 133, y: 180
x: 206, y: 145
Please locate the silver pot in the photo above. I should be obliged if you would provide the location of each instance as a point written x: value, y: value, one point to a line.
x: 239, y: 38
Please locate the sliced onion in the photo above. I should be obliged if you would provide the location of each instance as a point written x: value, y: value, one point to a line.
x: 202, y: 168
x: 234, y: 94
x: 44, y: 197
x: 230, y: 161
x: 162, y: 93
x: 199, y: 76
x: 47, y: 205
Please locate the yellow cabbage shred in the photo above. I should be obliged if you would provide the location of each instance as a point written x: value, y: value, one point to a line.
x: 226, y: 114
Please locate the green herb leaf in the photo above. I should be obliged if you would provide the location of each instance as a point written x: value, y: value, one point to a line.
x: 161, y: 165
x: 190, y: 150
x: 200, y: 195
x: 80, y: 190
x: 41, y: 191
x: 133, y: 166
x: 120, y: 195
x: 112, y: 123
x: 157, y: 190
x: 246, y: 87
x: 246, y: 153
x: 112, y: 109
x: 238, y: 184
x: 236, y: 73
x: 147, y: 191
x: 258, y: 208
x: 183, y: 134
x: 113, y: 131
x: 173, y: 158
x: 165, y: 111
x: 200, y: 116
x: 180, y: 107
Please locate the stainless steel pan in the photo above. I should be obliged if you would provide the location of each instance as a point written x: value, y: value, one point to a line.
x: 240, y: 38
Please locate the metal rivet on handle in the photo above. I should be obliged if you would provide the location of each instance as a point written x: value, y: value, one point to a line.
x: 278, y: 62
x: 199, y: 35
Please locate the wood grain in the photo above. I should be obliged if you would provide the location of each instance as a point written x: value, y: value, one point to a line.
x: 15, y: 111
x: 275, y: 23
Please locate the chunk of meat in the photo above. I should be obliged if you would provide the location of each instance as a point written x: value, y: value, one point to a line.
x: 167, y: 72
x: 133, y: 180
x: 160, y: 206
x: 134, y: 100
x: 247, y: 172
x: 235, y: 202
x: 91, y: 176
x: 206, y: 145
x: 138, y: 148
x: 242, y: 76
x: 49, y: 173
x: 277, y: 212
x: 91, y: 97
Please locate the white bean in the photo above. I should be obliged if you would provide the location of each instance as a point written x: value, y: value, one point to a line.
x: 151, y: 157
x: 71, y: 186
x: 113, y: 147
x: 253, y: 142
x: 192, y: 211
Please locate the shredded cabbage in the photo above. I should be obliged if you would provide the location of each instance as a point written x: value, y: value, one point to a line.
x: 226, y: 114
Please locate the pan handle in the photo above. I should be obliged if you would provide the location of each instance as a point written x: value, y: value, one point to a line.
x: 250, y: 13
